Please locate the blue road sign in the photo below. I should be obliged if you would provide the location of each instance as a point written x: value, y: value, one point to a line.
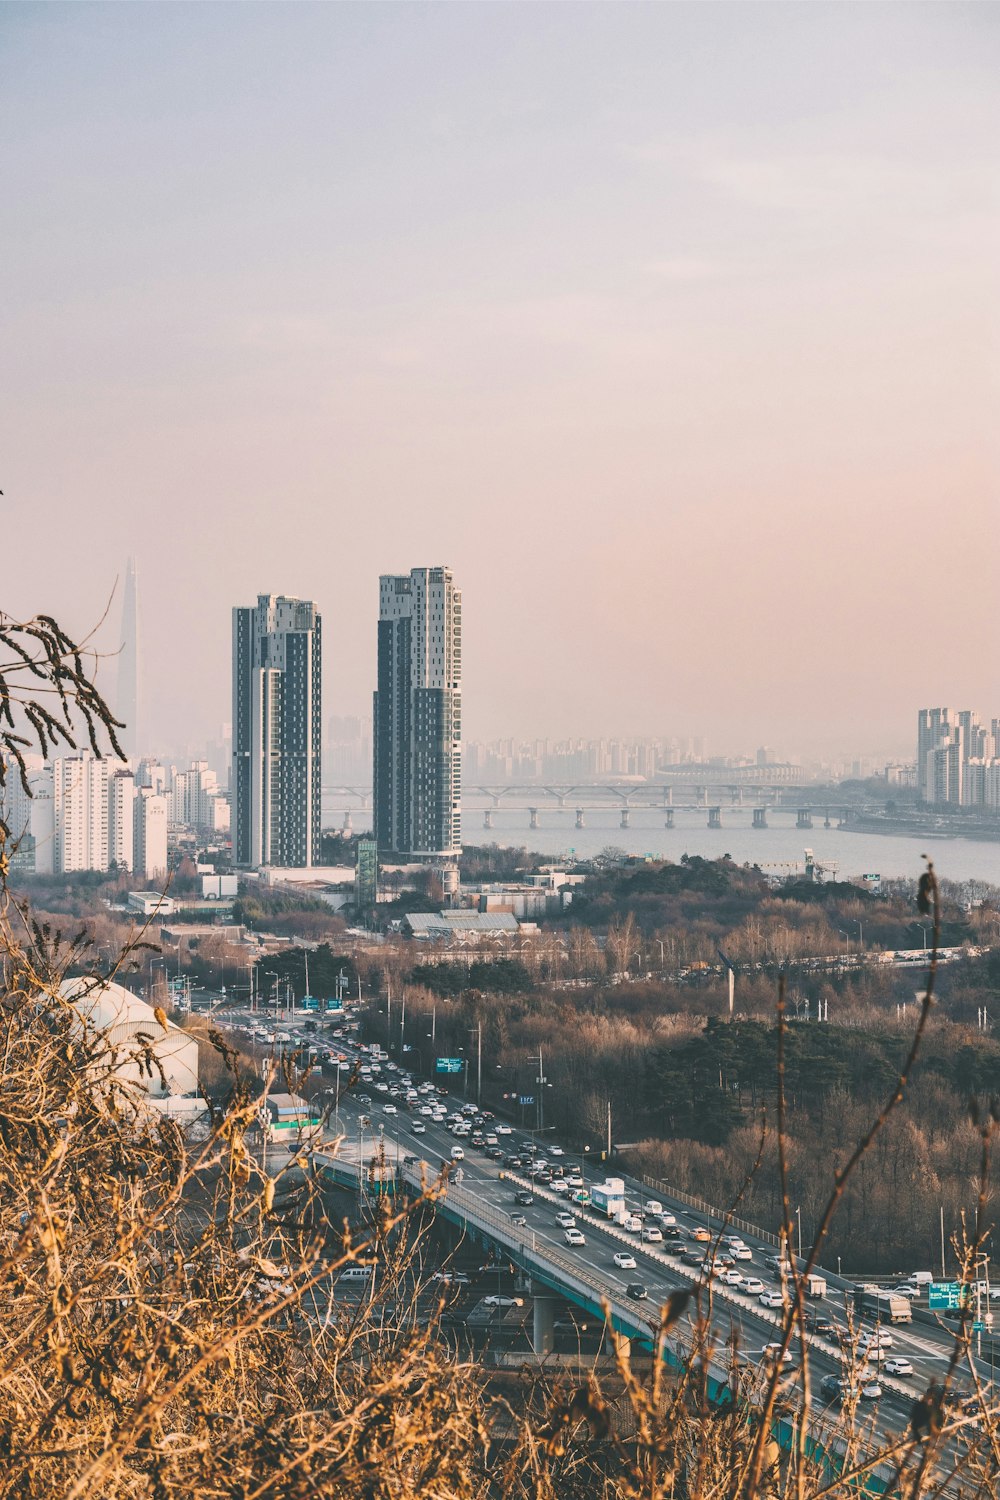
x: 944, y: 1294
x: 449, y: 1065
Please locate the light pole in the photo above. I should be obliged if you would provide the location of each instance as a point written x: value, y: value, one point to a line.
x: 923, y: 930
x: 861, y: 934
x: 270, y: 974
x: 477, y: 1032
x: 798, y: 1218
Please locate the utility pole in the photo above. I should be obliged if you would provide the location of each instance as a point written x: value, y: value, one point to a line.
x: 609, y: 1130
x: 540, y: 1102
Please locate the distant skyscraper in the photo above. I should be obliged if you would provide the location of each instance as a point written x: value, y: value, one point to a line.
x: 128, y: 666
x: 277, y: 739
x: 418, y: 716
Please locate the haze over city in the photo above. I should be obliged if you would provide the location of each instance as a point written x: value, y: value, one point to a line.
x: 672, y: 330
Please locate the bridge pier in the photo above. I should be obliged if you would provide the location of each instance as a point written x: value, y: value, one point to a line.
x: 543, y: 1333
x: 715, y: 817
x: 668, y: 796
x: 804, y: 818
x: 347, y: 826
x: 760, y: 817
x: 579, y: 818
x: 826, y: 820
x: 624, y: 822
x: 534, y: 817
x: 668, y: 817
x: 488, y: 818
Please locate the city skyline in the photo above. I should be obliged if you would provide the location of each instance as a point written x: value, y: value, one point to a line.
x: 664, y: 324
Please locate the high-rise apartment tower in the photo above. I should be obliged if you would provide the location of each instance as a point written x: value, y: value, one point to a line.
x: 277, y: 716
x: 418, y: 716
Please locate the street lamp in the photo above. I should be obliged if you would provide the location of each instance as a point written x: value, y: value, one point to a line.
x: 798, y: 1217
x: 270, y: 974
x: 861, y: 933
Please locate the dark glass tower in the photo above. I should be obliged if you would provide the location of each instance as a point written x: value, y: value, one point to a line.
x: 277, y: 717
x: 418, y: 716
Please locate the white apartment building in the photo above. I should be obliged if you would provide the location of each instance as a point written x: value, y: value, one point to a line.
x: 121, y: 820
x: 150, y: 839
x: 80, y: 811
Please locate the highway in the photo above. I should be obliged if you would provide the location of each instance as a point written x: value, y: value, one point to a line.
x: 488, y: 1188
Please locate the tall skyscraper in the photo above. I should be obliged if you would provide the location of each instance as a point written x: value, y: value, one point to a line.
x: 127, y: 702
x: 418, y: 716
x: 80, y: 809
x: 277, y: 737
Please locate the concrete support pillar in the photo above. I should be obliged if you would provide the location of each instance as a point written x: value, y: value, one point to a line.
x: 805, y: 818
x: 543, y: 1334
x: 715, y: 817
x: 347, y: 826
x: 760, y: 817
x: 668, y: 796
x: 534, y: 817
x: 668, y: 818
x: 579, y: 818
x: 488, y: 818
x: 624, y: 817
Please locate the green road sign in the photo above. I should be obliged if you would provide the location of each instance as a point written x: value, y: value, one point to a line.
x: 449, y: 1065
x: 943, y: 1294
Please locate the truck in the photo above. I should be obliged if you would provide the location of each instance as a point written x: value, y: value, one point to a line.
x: 816, y: 1286
x: 608, y: 1197
x: 884, y: 1307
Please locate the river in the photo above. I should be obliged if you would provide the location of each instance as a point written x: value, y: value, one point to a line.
x: 780, y: 844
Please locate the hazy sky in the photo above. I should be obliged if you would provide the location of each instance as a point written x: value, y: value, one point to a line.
x: 673, y: 329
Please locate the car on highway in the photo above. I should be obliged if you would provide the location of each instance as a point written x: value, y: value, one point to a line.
x: 418, y: 1127
x: 636, y: 1291
x: 772, y: 1353
x: 524, y: 1199
x: 453, y: 1278
x: 390, y: 1109
x: 881, y: 1338
x: 518, y: 1220
x: 906, y: 1290
x: 565, y: 1220
x: 503, y: 1130
x: 574, y: 1237
x: 457, y: 1154
x: 624, y: 1261
x: 498, y: 1299
x: 692, y: 1257
x: 898, y: 1366
x: 556, y: 1151
x: 770, y: 1299
x: 426, y: 1110
x: 817, y: 1323
x: 672, y: 1232
x: 741, y: 1252
x: 651, y: 1235
x: 871, y: 1390
x: 731, y: 1278
x: 831, y: 1386
x: 573, y: 1180
x: 700, y: 1233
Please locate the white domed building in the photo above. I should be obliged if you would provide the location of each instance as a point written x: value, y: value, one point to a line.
x: 160, y: 1061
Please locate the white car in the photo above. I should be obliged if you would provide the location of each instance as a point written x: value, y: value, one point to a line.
x: 556, y: 1151
x: 772, y: 1353
x: 731, y: 1278
x: 559, y: 1186
x: 652, y: 1236
x: 753, y: 1286
x: 426, y: 1110
x: 504, y: 1130
x: 565, y: 1220
x: 497, y: 1299
x: 390, y: 1109
x: 418, y: 1127
x: 898, y: 1366
x: 574, y: 1237
x: 770, y: 1299
x: 624, y: 1261
x: 871, y: 1390
x: 741, y: 1252
x: 880, y: 1339
x: 906, y: 1290
x: 573, y: 1180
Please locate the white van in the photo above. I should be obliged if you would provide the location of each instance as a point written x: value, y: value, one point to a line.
x: 457, y: 1154
x: 654, y: 1206
x: 357, y: 1273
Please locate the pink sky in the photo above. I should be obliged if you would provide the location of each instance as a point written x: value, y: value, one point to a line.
x: 671, y: 329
